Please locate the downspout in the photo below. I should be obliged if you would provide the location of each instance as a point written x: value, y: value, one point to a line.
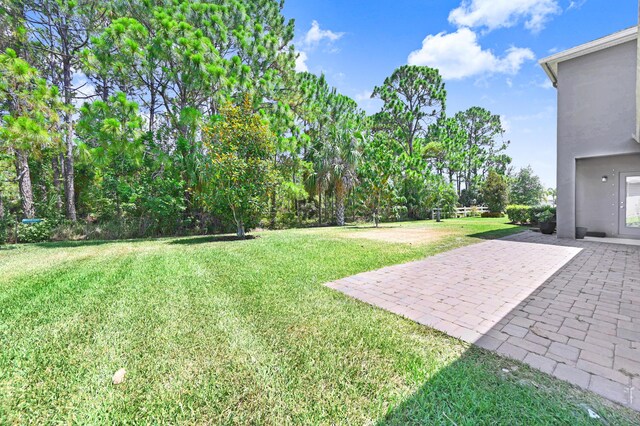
x: 636, y: 136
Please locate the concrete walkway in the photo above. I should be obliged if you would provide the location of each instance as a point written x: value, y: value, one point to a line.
x: 568, y: 308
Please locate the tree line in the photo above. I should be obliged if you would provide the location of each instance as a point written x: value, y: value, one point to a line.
x: 160, y: 117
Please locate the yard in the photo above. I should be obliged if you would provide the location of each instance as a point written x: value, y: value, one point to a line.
x: 218, y: 331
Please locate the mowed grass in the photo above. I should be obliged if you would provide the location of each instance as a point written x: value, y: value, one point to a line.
x: 214, y: 331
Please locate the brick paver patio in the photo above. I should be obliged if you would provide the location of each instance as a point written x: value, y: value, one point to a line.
x: 568, y: 308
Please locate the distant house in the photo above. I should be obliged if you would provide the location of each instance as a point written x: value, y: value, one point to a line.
x: 598, y: 153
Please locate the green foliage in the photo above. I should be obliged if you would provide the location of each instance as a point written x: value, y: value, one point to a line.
x: 519, y: 213
x: 240, y: 172
x: 492, y: 214
x: 35, y: 232
x: 378, y: 172
x: 4, y: 230
x: 525, y: 188
x: 536, y: 211
x: 412, y: 96
x: 142, y: 156
x: 546, y: 216
x: 495, y: 192
x: 527, y: 214
x: 484, y: 150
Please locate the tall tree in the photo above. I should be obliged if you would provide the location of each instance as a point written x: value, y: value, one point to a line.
x: 337, y: 157
x: 484, y: 133
x: 414, y: 97
x: 25, y: 101
x: 58, y: 32
x: 112, y: 133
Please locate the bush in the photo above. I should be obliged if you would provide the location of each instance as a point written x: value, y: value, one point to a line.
x: 527, y: 214
x: 492, y: 214
x: 495, y: 192
x: 536, y: 210
x: 546, y: 216
x: 35, y: 232
x: 519, y: 213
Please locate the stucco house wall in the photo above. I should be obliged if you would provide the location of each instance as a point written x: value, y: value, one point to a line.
x: 596, y: 119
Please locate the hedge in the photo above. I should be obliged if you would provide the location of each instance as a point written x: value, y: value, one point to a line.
x: 492, y: 214
x: 526, y: 214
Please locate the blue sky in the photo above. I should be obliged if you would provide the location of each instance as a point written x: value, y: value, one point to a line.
x: 487, y: 50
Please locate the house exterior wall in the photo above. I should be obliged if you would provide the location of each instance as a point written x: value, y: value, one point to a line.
x: 596, y: 118
x: 597, y: 202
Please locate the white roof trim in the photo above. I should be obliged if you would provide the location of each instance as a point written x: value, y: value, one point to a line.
x: 550, y: 63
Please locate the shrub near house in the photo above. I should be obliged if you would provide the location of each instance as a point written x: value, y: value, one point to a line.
x: 526, y: 214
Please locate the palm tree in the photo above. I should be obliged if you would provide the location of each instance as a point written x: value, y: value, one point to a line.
x: 337, y: 152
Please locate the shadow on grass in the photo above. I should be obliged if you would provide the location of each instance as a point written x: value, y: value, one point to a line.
x: 354, y: 227
x: 210, y: 239
x: 480, y: 388
x: 87, y: 243
x: 201, y: 239
x: 497, y: 233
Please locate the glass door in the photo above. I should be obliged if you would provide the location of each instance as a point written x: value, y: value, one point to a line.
x: 630, y: 204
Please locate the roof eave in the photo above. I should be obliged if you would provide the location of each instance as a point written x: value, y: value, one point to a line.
x: 550, y: 63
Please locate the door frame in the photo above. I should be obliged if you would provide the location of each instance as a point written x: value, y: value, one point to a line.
x: 623, y: 229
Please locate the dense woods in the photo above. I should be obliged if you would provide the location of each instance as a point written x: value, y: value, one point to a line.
x: 148, y: 117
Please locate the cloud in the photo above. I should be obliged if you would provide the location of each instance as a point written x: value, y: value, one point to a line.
x: 316, y: 35
x: 493, y: 14
x: 459, y: 55
x: 363, y: 96
x: 301, y: 62
x: 576, y: 4
x: 506, y: 124
x: 365, y: 102
x: 311, y: 40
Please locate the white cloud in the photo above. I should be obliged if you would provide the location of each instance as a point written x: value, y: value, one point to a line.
x: 301, y: 62
x: 506, y: 124
x: 459, y: 55
x: 576, y: 4
x: 363, y: 96
x: 316, y: 35
x: 311, y: 40
x: 492, y: 14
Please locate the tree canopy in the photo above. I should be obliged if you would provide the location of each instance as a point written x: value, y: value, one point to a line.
x: 162, y: 118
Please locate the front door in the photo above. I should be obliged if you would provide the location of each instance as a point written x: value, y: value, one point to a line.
x: 630, y: 204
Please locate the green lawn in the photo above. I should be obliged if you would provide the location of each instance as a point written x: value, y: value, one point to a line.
x: 214, y: 331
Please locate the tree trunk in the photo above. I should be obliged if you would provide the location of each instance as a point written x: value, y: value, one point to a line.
x: 152, y: 107
x: 24, y: 184
x: 57, y: 184
x: 273, y: 209
x: 69, y: 190
x: 240, y: 229
x: 319, y: 206
x: 1, y: 210
x: 340, y: 192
